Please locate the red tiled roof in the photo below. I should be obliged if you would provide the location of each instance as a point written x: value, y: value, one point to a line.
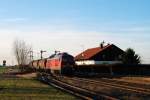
x: 90, y: 52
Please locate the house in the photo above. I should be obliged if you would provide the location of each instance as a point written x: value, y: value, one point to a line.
x: 108, y: 54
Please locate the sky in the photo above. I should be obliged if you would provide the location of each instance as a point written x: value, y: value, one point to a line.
x: 74, y: 25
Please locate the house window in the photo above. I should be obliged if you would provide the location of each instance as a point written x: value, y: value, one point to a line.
x: 104, y: 56
x: 120, y: 56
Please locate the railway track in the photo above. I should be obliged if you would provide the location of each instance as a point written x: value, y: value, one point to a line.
x: 77, y: 91
x: 120, y: 89
x: 139, y: 88
x: 117, y: 84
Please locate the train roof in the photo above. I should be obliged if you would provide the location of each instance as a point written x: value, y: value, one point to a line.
x: 38, y: 59
x: 59, y: 55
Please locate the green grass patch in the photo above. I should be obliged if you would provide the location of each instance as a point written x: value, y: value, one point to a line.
x: 3, y: 70
x: 30, y: 89
x: 9, y: 69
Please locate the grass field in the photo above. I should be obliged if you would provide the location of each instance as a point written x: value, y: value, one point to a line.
x: 3, y: 69
x: 8, y: 69
x: 29, y: 89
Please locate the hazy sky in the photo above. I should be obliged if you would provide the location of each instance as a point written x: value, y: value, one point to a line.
x: 74, y: 25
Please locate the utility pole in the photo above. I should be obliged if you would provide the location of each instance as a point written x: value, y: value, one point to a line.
x: 42, y: 53
x: 31, y: 55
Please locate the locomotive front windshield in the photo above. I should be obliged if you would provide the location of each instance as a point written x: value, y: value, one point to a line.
x: 67, y: 59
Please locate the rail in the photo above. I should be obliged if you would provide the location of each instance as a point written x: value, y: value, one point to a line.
x: 111, y: 83
x: 108, y: 88
x: 77, y: 91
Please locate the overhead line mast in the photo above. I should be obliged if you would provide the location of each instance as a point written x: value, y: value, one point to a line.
x: 42, y: 53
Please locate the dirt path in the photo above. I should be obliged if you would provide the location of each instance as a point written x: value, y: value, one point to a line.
x: 28, y: 75
x: 140, y: 80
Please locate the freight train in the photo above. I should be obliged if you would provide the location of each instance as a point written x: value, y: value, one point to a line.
x: 64, y: 64
x: 58, y: 63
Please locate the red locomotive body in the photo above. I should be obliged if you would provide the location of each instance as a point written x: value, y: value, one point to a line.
x: 61, y: 63
x: 53, y: 64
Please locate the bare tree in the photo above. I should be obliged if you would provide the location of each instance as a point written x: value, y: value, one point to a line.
x: 21, y: 52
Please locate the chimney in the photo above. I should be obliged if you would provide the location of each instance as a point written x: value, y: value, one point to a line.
x: 108, y: 43
x: 101, y: 45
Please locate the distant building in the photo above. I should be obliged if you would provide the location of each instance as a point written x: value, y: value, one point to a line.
x: 108, y: 54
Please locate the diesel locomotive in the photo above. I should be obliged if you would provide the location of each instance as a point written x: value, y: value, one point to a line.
x: 60, y: 63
